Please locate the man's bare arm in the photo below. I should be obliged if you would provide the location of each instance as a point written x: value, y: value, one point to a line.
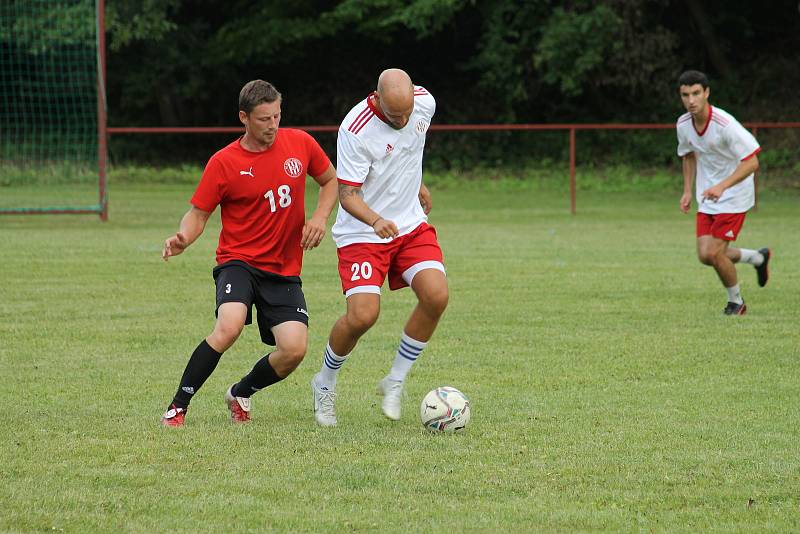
x: 352, y: 200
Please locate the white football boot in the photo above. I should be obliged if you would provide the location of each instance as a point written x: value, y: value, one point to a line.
x: 324, y: 404
x: 392, y: 391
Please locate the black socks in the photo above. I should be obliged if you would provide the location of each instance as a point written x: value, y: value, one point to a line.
x: 202, y: 363
x: 260, y: 377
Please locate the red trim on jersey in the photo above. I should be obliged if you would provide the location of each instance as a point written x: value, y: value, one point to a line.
x: 363, y: 123
x: 420, y: 92
x: 346, y: 182
x: 756, y: 151
x: 685, y: 117
x: 710, y: 116
x: 376, y: 109
x: 361, y: 116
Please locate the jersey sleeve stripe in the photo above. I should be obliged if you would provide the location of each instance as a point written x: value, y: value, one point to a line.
x: 364, y: 121
x: 358, y: 118
x: 347, y: 182
x: 753, y: 153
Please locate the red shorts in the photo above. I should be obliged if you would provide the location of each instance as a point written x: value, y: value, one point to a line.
x: 363, y: 267
x: 725, y: 226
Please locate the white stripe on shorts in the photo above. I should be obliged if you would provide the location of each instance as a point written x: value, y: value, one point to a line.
x: 363, y: 289
x: 411, y: 272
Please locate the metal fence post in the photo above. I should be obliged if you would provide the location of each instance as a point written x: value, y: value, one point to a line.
x: 572, y: 171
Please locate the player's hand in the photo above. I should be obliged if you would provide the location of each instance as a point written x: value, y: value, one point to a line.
x: 425, y: 199
x: 313, y: 232
x: 174, y: 245
x: 686, y: 202
x: 713, y: 193
x: 385, y: 229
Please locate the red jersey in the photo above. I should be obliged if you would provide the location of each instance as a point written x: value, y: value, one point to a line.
x: 262, y: 195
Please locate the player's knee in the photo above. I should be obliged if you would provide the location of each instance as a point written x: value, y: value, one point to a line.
x: 705, y: 257
x: 362, y: 318
x: 435, y: 300
x: 710, y: 255
x: 292, y: 355
x: 226, y: 332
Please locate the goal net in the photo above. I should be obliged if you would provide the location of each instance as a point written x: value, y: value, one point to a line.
x: 52, y: 107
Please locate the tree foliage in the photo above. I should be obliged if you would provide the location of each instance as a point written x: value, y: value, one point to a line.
x: 181, y: 62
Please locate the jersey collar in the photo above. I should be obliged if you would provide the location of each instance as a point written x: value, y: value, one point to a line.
x: 270, y: 147
x: 376, y: 109
x: 710, y: 113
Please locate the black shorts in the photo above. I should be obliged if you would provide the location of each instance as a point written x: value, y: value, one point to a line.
x: 277, y: 298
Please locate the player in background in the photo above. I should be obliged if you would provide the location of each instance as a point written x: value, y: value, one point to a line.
x: 259, y: 183
x: 721, y: 156
x: 381, y: 231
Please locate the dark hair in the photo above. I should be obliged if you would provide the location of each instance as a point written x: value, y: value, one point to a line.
x: 691, y: 77
x: 257, y: 92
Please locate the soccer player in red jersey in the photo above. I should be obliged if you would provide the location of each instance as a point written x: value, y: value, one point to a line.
x: 722, y: 156
x: 258, y: 181
x: 381, y: 232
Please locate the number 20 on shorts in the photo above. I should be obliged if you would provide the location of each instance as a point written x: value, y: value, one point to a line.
x: 361, y: 270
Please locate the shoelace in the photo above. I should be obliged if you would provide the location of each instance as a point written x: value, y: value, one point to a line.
x: 326, y: 401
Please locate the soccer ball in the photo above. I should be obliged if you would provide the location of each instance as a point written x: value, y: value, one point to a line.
x: 444, y: 409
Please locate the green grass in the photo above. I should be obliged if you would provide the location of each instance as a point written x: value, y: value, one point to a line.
x: 609, y: 393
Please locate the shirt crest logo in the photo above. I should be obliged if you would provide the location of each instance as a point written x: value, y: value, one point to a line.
x: 293, y: 167
x: 389, y: 148
x: 422, y: 126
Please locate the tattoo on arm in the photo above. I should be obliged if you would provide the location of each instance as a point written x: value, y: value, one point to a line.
x: 348, y: 190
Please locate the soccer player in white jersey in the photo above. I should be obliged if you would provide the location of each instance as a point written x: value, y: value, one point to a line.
x: 381, y: 231
x: 721, y: 156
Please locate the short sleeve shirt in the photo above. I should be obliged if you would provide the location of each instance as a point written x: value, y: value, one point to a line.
x: 718, y: 149
x: 386, y: 163
x: 261, y: 198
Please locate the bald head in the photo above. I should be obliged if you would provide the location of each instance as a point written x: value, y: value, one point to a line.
x: 396, y: 96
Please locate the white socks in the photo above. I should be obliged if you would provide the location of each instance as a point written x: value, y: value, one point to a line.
x: 734, y: 295
x: 407, y: 354
x: 753, y: 257
x: 331, y: 363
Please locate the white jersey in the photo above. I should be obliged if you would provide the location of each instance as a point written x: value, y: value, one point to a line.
x: 718, y: 150
x: 386, y: 163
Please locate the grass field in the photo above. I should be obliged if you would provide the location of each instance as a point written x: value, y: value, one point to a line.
x: 609, y: 393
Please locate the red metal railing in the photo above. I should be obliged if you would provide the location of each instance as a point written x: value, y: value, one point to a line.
x: 571, y: 128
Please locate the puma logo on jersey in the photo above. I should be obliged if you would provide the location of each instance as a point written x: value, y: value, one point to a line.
x: 247, y: 173
x: 729, y: 233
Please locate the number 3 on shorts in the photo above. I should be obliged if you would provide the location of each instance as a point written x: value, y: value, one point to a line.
x: 361, y: 270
